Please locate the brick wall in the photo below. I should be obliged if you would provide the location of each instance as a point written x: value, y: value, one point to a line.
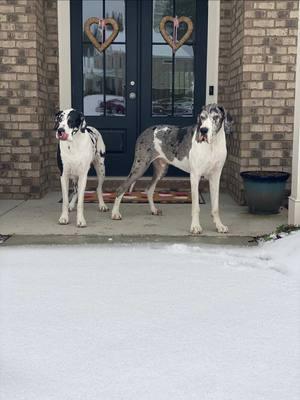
x: 230, y: 83
x: 28, y: 96
x: 257, y: 80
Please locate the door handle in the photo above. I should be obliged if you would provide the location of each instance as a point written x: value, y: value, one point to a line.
x: 132, y: 95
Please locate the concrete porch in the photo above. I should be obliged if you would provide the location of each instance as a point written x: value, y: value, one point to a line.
x: 36, y: 221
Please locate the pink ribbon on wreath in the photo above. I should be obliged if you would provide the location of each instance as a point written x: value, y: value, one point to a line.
x: 102, y: 23
x: 175, y: 29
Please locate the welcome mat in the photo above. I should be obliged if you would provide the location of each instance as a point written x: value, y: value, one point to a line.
x: 166, y: 197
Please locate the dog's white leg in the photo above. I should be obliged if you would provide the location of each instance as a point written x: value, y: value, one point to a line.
x: 160, y: 168
x: 214, y: 187
x: 195, y: 226
x: 115, y: 214
x: 100, y: 170
x: 81, y: 223
x: 64, y: 218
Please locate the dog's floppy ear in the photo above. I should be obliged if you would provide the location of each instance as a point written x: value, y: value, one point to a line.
x: 83, y: 124
x: 228, y: 121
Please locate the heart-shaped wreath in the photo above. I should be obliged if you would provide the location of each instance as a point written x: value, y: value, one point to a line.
x: 172, y: 42
x: 102, y: 23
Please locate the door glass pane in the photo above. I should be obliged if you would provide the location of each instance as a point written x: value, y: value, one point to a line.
x: 188, y: 9
x: 161, y: 8
x: 161, y: 80
x: 184, y: 81
x: 172, y: 73
x: 116, y: 9
x: 92, y: 8
x: 104, y: 73
x: 93, y: 87
x: 115, y: 80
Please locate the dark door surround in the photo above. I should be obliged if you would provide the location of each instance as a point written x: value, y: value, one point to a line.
x: 125, y: 129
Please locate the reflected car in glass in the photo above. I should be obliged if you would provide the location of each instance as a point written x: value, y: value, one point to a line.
x: 113, y: 107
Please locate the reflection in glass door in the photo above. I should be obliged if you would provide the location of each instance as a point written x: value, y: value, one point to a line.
x: 172, y: 73
x: 104, y: 73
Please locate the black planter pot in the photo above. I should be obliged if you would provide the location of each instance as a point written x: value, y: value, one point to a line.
x: 264, y: 190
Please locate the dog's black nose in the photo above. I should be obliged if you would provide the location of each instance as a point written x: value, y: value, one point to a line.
x: 203, y: 131
x: 60, y: 131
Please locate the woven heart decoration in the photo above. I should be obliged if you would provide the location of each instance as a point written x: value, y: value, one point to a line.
x: 102, y: 23
x: 172, y: 42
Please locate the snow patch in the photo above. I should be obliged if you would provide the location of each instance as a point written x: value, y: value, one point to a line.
x: 150, y: 322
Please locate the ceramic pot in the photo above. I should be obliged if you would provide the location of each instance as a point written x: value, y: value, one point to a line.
x: 264, y: 190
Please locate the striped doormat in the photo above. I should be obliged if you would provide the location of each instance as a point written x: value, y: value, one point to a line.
x: 167, y: 197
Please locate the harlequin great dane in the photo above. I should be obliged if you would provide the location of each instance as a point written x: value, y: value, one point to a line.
x: 79, y: 147
x: 199, y: 150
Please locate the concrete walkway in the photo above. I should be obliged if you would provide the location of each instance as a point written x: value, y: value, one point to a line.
x: 36, y: 221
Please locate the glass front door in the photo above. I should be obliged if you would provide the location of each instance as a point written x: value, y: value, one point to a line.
x: 138, y: 80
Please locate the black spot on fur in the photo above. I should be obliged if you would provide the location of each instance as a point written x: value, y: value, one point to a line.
x: 59, y: 161
x: 176, y: 141
x: 74, y: 119
x: 181, y: 134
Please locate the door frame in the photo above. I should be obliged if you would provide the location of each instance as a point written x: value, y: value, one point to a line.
x: 64, y: 52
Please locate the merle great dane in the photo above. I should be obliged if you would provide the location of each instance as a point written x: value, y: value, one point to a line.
x: 79, y: 147
x: 199, y: 150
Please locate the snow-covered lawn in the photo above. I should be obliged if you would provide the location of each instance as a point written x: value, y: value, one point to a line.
x: 150, y: 322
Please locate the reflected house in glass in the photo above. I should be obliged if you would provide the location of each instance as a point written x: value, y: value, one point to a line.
x: 103, y: 86
x: 93, y: 86
x: 172, y: 73
x: 183, y: 81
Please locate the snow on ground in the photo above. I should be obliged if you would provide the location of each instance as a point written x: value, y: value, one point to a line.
x: 150, y: 322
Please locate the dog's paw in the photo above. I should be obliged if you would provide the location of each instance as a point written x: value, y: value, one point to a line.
x: 63, y: 220
x: 157, y: 211
x: 222, y: 228
x: 71, y: 207
x: 116, y: 216
x: 103, y: 208
x: 196, y: 229
x: 81, y: 222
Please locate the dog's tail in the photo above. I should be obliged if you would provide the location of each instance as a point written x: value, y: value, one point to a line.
x: 100, y: 145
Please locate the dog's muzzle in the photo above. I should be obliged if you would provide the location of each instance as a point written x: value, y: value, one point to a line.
x: 61, y: 134
x: 201, y: 135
